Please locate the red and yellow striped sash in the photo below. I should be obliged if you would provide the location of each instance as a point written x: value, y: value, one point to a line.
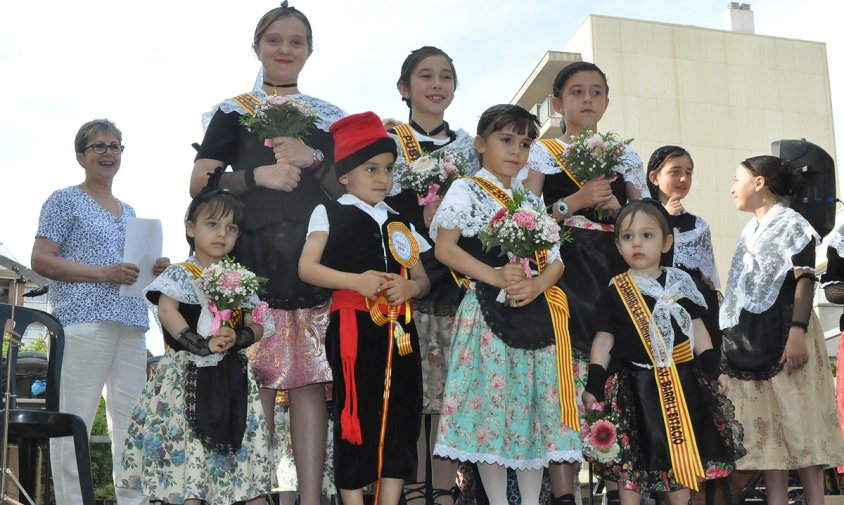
x: 409, y: 144
x: 248, y: 101
x: 556, y: 149
x: 682, y: 445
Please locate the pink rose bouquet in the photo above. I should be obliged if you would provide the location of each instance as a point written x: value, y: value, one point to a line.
x: 599, y: 436
x: 520, y: 230
x: 228, y: 285
x: 592, y: 155
x: 431, y: 175
x: 279, y: 116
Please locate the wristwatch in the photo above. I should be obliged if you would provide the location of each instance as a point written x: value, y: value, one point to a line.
x: 319, y: 157
x: 563, y: 207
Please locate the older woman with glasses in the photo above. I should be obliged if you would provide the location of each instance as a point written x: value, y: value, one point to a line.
x: 79, y: 247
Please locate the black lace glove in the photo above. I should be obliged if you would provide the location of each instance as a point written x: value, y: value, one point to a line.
x: 193, y: 342
x: 244, y: 338
x: 710, y: 363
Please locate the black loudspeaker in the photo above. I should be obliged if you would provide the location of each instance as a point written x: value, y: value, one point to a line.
x: 816, y: 201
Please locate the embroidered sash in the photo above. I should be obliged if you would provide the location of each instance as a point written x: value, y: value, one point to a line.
x: 409, y: 144
x: 682, y: 445
x: 559, y: 308
x: 248, y: 101
x: 557, y: 150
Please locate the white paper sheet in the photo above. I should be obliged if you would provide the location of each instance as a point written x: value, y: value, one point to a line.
x: 144, y: 240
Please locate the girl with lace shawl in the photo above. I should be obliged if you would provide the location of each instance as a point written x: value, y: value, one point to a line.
x: 280, y: 187
x: 198, y: 432
x: 773, y: 347
x: 427, y: 84
x: 501, y: 406
x: 670, y: 172
x: 580, y: 94
x: 666, y: 369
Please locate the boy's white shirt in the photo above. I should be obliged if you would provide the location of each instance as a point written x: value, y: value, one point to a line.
x: 379, y: 212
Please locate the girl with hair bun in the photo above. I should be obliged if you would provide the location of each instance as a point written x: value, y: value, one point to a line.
x: 280, y: 185
x: 773, y: 347
x: 670, y: 172
x: 580, y: 94
x: 427, y: 83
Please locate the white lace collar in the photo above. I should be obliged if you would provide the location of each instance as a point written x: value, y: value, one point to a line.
x: 678, y: 285
x: 326, y: 113
x: 762, y: 259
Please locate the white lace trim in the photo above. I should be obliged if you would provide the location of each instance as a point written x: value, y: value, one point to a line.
x: 468, y: 207
x: 178, y: 283
x: 541, y: 160
x: 444, y: 451
x: 464, y: 145
x: 326, y: 113
x: 693, y: 249
x: 761, y: 261
x: 836, y: 241
x: 678, y: 285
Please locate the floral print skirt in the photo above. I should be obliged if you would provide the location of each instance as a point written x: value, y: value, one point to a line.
x: 645, y: 462
x: 501, y: 404
x: 165, y: 460
x: 434, y: 347
x: 790, y: 421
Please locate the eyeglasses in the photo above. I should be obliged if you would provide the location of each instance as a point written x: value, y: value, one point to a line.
x: 100, y: 148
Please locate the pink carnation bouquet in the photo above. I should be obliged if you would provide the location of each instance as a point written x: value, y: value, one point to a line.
x: 592, y: 155
x: 520, y: 230
x: 599, y: 435
x: 228, y: 285
x: 431, y: 175
x: 279, y: 116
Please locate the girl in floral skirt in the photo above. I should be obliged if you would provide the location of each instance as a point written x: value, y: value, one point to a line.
x: 198, y: 432
x: 501, y: 406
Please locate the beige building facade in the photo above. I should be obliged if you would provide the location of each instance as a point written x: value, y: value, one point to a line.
x: 724, y: 95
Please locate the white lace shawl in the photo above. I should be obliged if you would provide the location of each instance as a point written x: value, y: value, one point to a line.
x: 762, y: 259
x: 179, y: 284
x: 468, y: 207
x: 836, y: 241
x: 633, y: 171
x: 464, y: 145
x: 678, y: 285
x: 326, y: 113
x: 693, y: 249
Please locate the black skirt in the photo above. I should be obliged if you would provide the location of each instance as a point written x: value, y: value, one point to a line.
x: 590, y: 262
x: 645, y: 457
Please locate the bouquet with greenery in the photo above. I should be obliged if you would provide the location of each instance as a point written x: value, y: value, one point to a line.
x: 592, y: 155
x: 520, y: 230
x: 229, y: 285
x: 279, y: 116
x: 431, y: 175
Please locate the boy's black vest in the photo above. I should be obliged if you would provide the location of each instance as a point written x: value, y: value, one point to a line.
x: 356, y: 243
